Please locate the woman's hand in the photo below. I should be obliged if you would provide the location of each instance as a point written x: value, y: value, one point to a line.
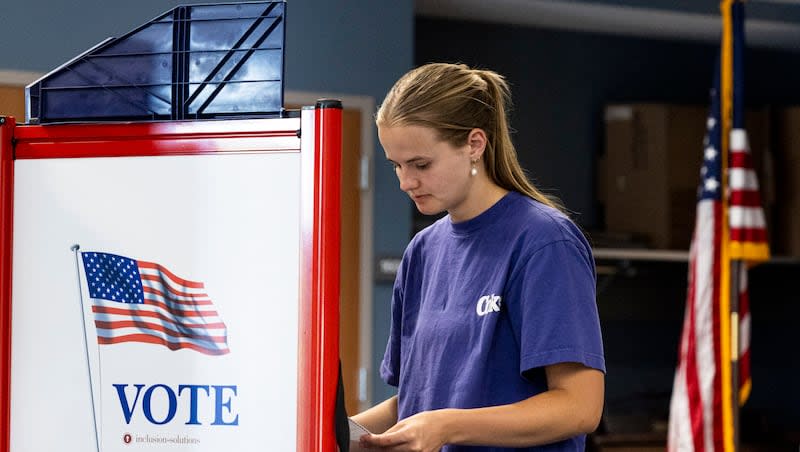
x: 423, y: 432
x: 571, y: 406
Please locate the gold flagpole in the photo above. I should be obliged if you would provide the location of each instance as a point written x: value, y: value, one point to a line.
x: 728, y: 330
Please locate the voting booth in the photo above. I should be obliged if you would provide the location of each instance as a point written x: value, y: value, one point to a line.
x: 170, y: 247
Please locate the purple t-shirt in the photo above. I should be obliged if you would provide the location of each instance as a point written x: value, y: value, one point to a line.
x: 480, y: 307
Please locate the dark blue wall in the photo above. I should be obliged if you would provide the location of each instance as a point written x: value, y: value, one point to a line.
x: 562, y: 80
x: 641, y: 311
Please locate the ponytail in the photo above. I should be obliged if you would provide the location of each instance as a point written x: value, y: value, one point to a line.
x: 502, y: 163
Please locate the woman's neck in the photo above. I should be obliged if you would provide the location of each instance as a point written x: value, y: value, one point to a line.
x: 484, y: 194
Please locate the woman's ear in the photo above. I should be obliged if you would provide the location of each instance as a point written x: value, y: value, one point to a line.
x: 477, y: 143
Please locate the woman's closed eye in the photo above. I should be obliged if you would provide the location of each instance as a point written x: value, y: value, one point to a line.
x: 415, y: 165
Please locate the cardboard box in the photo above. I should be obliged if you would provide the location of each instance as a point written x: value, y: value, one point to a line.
x: 787, y: 182
x: 652, y: 159
x: 651, y: 169
x: 759, y: 125
x: 12, y: 102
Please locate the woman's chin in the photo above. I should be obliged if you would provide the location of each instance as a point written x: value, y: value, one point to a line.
x: 427, y: 209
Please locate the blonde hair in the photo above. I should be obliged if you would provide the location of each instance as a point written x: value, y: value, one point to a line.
x: 454, y: 99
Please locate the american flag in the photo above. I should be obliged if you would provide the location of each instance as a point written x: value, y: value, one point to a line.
x: 138, y: 301
x: 729, y: 226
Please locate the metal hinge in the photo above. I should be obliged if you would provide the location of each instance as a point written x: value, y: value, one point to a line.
x: 362, y: 384
x: 363, y: 174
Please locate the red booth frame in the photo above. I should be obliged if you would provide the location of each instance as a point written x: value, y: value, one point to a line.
x: 318, y: 310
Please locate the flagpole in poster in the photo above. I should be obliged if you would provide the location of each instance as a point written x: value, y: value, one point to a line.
x: 75, y: 249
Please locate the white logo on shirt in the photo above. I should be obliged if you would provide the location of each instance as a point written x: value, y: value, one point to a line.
x: 487, y: 304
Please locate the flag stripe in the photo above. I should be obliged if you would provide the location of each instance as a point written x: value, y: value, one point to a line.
x: 160, y: 269
x: 168, y: 309
x: 714, y: 408
x: 143, y: 325
x: 739, y: 141
x: 746, y: 217
x: 740, y: 158
x: 746, y: 198
x: 192, y: 328
x: 128, y: 331
x: 681, y: 423
x: 144, y: 338
x: 749, y: 235
x: 692, y: 385
x: 177, y: 300
x: 743, y: 179
x: 189, y: 322
x: 164, y: 285
x: 178, y: 309
x: 111, y: 334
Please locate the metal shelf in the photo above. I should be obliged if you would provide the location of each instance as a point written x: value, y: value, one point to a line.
x: 641, y: 254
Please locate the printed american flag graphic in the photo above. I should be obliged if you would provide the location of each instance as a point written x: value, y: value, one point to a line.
x: 138, y: 301
x: 729, y: 226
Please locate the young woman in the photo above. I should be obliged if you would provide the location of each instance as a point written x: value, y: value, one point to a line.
x: 495, y: 339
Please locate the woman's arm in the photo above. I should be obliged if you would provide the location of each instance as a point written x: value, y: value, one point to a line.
x: 379, y: 418
x: 571, y: 406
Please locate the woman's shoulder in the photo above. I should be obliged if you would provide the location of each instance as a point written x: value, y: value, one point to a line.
x: 541, y: 224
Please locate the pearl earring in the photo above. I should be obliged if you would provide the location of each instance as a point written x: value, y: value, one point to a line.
x: 474, y: 171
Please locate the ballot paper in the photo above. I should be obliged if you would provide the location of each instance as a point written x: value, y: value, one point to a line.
x: 356, y: 432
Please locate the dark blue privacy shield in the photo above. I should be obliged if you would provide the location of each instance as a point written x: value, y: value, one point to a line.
x: 196, y: 61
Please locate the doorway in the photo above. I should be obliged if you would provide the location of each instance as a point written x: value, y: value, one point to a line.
x: 12, y: 93
x: 355, y: 329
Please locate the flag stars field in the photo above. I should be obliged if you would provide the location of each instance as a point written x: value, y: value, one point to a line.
x: 711, y: 184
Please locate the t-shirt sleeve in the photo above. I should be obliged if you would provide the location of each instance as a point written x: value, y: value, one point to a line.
x: 553, y: 309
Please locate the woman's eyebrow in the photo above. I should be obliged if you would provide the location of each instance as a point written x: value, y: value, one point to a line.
x: 415, y: 160
x: 410, y: 161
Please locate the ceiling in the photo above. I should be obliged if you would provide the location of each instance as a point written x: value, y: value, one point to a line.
x: 769, y: 23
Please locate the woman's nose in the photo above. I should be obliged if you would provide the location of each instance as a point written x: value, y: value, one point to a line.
x: 407, y: 182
